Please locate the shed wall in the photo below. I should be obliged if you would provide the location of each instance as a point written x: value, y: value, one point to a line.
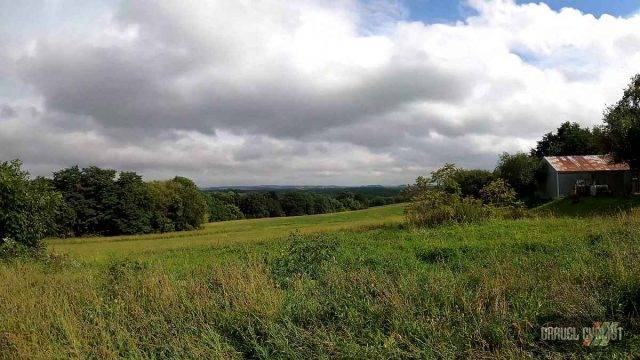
x: 619, y: 182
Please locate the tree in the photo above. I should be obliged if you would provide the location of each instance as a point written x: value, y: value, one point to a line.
x: 132, y: 212
x: 498, y: 193
x: 441, y: 179
x: 27, y: 209
x: 222, y: 208
x: 471, y: 181
x: 519, y: 171
x: 91, y: 194
x: 570, y: 139
x: 349, y: 201
x: 622, y: 125
x: 444, y: 178
x: 177, y: 205
x: 254, y: 205
x: 296, y: 203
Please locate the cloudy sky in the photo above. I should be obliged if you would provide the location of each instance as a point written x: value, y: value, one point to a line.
x: 307, y: 92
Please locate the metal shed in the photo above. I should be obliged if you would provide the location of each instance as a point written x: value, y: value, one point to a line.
x: 564, y: 172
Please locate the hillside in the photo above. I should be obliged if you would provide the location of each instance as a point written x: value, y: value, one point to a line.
x: 350, y: 285
x: 588, y: 206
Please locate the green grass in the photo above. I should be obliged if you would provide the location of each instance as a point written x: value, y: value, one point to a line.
x: 97, y: 249
x: 351, y: 285
x: 589, y: 206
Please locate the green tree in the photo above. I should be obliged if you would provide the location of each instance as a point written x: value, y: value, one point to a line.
x: 192, y: 204
x: 177, y: 205
x: 27, y: 208
x: 221, y: 210
x: 132, y: 212
x: 570, y: 139
x: 622, y: 125
x: 254, y: 205
x: 471, y: 181
x: 296, y: 203
x: 499, y: 193
x: 519, y: 171
x: 91, y: 198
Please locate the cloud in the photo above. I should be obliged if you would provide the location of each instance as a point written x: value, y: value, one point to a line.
x: 308, y: 91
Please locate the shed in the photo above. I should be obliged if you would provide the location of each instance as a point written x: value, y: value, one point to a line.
x: 564, y: 172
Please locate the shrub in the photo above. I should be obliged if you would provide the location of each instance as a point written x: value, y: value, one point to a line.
x: 498, y: 193
x: 437, y: 207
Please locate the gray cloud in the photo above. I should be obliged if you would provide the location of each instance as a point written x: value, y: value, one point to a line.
x: 310, y: 92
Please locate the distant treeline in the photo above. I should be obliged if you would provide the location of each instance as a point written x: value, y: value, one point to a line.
x: 241, y: 204
x: 95, y: 201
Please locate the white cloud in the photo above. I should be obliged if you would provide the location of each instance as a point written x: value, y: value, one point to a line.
x: 308, y: 91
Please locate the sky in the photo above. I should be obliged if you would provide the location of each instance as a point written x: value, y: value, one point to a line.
x: 311, y: 92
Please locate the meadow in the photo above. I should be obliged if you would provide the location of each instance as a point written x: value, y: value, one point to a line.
x: 348, y: 285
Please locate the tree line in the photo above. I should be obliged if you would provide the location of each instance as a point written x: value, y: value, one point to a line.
x: 234, y: 205
x: 94, y: 201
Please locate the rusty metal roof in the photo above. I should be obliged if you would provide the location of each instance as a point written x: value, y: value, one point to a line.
x: 585, y: 163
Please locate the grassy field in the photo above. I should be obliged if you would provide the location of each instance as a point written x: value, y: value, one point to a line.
x: 589, y: 206
x: 349, y: 285
x: 219, y: 234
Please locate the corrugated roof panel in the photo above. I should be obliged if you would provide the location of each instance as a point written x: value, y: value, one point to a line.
x: 585, y: 163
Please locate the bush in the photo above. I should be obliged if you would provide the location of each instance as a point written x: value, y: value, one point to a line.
x: 437, y: 207
x: 498, y: 193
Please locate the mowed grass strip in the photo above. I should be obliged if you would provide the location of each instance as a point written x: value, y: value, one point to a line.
x: 93, y: 249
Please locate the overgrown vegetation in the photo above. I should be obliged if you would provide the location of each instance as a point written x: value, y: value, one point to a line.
x: 440, y: 200
x: 479, y: 291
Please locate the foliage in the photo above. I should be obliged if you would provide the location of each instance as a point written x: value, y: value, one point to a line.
x: 221, y: 209
x: 436, y: 207
x: 27, y: 208
x: 443, y: 179
x: 570, y: 139
x: 90, y: 195
x: 255, y: 205
x: 297, y: 203
x: 351, y: 201
x: 177, y: 205
x: 471, y: 181
x: 103, y: 202
x: 132, y: 210
x: 519, y: 171
x: 622, y: 125
x: 499, y: 193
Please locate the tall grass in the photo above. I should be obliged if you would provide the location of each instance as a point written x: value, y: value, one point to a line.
x: 478, y: 291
